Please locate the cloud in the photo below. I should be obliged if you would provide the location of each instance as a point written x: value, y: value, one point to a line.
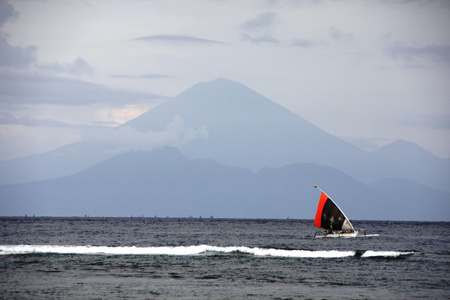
x: 437, y: 53
x: 177, y: 39
x: 263, y: 22
x: 10, y: 56
x: 265, y: 38
x: 9, y: 119
x: 7, y: 12
x: 366, y: 144
x: 125, y: 138
x: 27, y: 88
x: 340, y: 36
x: 145, y: 76
x: 24, y: 57
x: 257, y: 30
x: 307, y: 43
x: 16, y: 57
x: 78, y: 67
x: 436, y: 121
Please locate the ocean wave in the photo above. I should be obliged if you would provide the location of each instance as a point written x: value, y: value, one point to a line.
x: 370, y: 253
x: 190, y: 250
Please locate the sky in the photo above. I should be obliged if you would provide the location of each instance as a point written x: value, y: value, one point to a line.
x: 369, y: 72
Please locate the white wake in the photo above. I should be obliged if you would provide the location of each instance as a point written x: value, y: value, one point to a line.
x: 189, y: 250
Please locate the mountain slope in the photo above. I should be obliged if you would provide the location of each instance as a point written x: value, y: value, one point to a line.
x: 134, y: 183
x: 63, y: 161
x: 407, y: 200
x: 424, y: 167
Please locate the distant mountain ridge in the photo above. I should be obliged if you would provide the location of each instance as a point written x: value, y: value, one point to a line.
x: 423, y: 166
x: 64, y: 161
x: 243, y: 129
x: 165, y: 183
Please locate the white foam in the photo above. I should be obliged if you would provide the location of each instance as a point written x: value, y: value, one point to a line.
x: 186, y: 250
x: 370, y: 253
x: 283, y: 253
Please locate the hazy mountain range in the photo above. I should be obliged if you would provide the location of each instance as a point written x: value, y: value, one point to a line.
x: 221, y: 149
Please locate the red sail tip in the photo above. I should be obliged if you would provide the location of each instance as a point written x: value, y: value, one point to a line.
x: 318, y: 219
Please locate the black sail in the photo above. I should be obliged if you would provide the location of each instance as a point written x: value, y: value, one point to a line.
x: 329, y: 216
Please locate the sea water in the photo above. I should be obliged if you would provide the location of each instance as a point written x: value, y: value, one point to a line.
x: 166, y: 258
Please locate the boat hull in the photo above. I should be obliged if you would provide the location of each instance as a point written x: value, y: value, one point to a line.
x: 324, y: 234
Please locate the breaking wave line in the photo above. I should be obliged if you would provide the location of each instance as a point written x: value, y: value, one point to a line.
x: 190, y: 250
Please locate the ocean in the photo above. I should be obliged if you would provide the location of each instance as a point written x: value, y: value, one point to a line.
x: 194, y: 258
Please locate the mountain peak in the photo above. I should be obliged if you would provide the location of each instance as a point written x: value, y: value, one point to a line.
x: 216, y: 83
x: 222, y: 81
x: 247, y: 129
x: 219, y: 90
x: 404, y: 148
x: 220, y: 102
x: 422, y: 165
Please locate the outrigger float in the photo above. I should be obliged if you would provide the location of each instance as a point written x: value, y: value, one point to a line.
x: 331, y: 218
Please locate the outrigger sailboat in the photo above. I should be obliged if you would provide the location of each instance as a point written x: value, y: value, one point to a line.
x: 330, y: 217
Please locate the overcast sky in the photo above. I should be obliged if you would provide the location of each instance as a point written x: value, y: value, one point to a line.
x: 369, y: 72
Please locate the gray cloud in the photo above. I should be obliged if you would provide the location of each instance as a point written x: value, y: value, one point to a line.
x: 7, y: 118
x: 307, y: 43
x: 78, y: 67
x: 19, y: 88
x: 23, y: 57
x: 13, y: 57
x: 145, y: 76
x: 367, y: 144
x: 176, y: 38
x: 264, y: 38
x: 303, y: 43
x: 437, y: 121
x: 438, y: 53
x: 7, y: 12
x: 340, y: 36
x: 257, y: 30
x: 16, y: 57
x: 263, y: 22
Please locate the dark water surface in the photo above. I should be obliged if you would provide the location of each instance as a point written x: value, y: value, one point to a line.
x: 147, y: 258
